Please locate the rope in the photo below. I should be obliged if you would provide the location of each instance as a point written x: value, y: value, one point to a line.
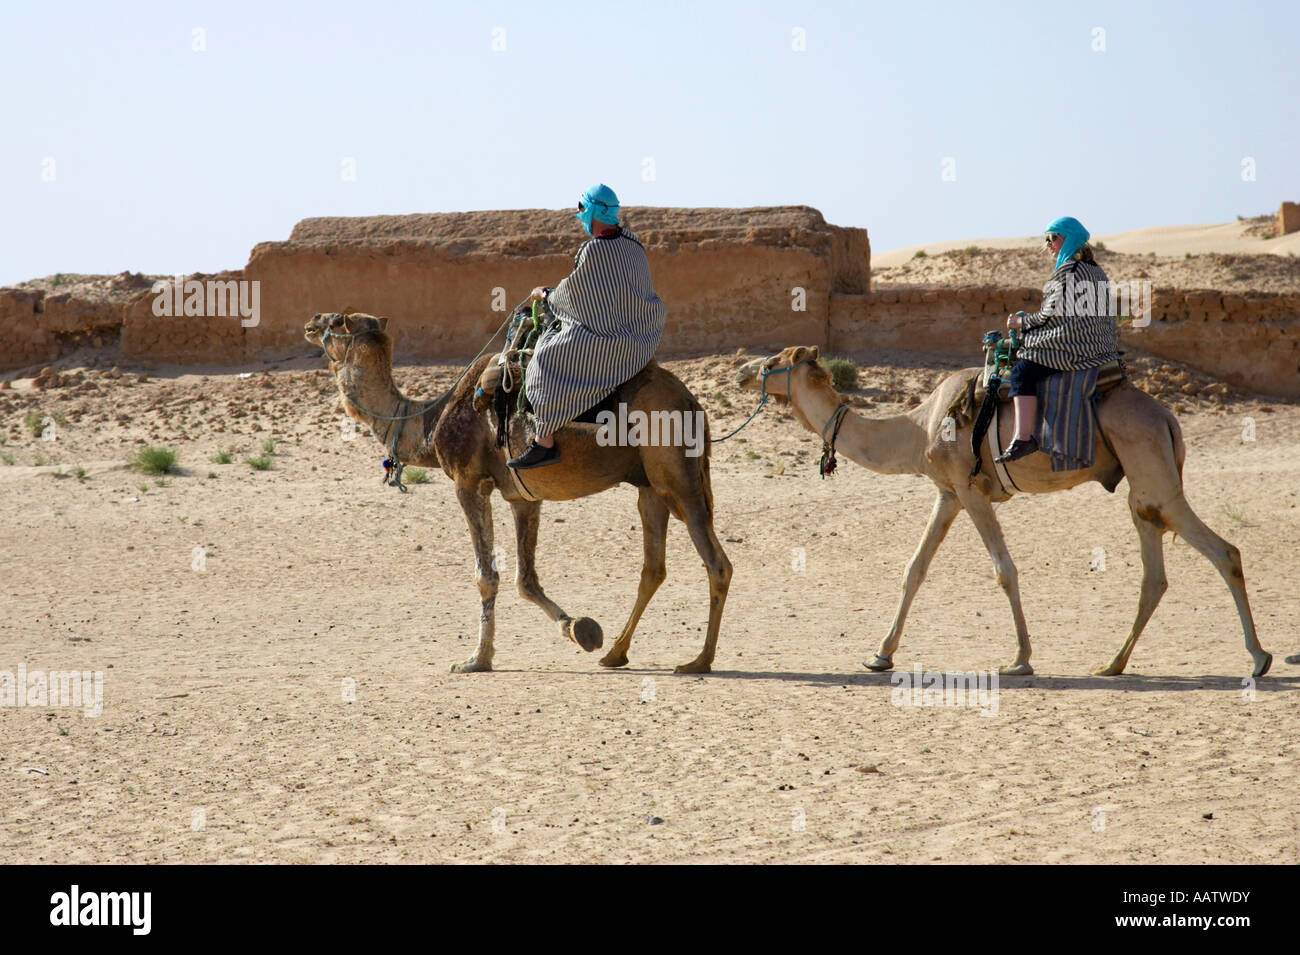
x: 828, y: 462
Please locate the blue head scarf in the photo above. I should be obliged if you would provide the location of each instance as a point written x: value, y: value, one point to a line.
x: 1075, y: 236
x: 599, y: 203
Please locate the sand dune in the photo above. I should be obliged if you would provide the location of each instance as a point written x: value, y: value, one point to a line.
x: 1231, y: 238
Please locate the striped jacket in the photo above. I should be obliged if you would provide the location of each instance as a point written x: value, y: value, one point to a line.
x: 1074, y: 329
x: 611, y: 322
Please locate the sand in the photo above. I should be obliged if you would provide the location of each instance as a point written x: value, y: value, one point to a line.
x: 226, y: 736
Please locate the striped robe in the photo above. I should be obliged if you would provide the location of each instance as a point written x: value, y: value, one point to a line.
x: 611, y: 322
x: 1074, y: 329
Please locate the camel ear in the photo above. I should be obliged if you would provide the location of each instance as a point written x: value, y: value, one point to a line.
x: 382, y: 322
x: 814, y: 353
x: 349, y: 324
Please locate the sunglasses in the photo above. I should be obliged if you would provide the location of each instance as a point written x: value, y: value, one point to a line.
x: 581, y: 207
x: 1050, y: 239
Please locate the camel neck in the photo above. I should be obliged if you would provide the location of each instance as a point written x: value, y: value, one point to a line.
x: 372, y: 397
x: 894, y: 445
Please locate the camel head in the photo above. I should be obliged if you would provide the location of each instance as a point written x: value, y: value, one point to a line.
x: 789, y: 370
x: 352, y: 340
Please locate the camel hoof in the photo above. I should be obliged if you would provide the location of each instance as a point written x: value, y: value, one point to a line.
x: 1263, y: 667
x: 1110, y: 669
x: 471, y: 666
x: 1016, y: 669
x: 586, y: 633
x: 879, y: 664
x: 613, y: 659
x: 698, y: 665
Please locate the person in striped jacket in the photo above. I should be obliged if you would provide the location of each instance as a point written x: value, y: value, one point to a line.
x: 1073, y: 330
x: 611, y: 322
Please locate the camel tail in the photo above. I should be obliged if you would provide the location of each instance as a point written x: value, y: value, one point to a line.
x: 1180, y: 449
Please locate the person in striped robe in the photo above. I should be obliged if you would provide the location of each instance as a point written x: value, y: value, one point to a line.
x: 1073, y: 330
x: 610, y: 325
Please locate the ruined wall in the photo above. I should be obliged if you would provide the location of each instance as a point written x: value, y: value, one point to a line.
x: 1250, y: 341
x: 726, y: 274
x: 729, y: 277
x: 1288, y: 218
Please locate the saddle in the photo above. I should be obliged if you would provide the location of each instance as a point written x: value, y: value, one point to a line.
x: 976, y: 395
x: 501, y: 385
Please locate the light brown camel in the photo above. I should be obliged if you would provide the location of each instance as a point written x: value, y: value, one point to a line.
x: 1147, y: 443
x: 449, y: 433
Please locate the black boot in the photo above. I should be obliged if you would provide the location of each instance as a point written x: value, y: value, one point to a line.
x: 1021, y: 447
x: 535, y: 456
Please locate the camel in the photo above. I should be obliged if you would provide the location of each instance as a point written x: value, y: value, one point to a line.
x: 450, y: 434
x: 1148, y: 450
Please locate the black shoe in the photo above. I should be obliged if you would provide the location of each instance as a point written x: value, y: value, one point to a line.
x: 535, y: 456
x: 1019, y: 448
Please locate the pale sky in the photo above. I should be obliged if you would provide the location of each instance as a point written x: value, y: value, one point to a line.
x: 171, y: 137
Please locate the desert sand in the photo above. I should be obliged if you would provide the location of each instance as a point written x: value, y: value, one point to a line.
x: 227, y: 734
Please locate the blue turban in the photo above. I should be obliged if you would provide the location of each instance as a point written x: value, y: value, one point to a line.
x: 1075, y: 236
x: 599, y: 203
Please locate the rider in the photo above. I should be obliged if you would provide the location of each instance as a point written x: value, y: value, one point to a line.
x: 611, y: 322
x: 1072, y: 331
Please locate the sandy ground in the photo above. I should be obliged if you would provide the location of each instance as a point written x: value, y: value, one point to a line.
x: 225, y: 735
x: 1245, y: 237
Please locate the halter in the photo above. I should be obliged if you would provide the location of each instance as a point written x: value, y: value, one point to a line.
x: 767, y: 373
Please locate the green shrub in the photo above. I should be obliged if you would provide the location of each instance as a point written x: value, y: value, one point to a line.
x: 415, y: 476
x: 844, y: 374
x: 221, y: 457
x: 151, y: 460
x: 260, y: 463
x: 920, y: 254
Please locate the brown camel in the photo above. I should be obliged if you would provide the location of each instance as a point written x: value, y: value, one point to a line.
x: 1148, y: 450
x: 449, y: 433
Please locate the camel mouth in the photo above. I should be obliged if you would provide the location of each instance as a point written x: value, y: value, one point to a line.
x: 748, y: 374
x: 312, y: 330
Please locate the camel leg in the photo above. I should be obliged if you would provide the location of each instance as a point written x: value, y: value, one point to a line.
x: 654, y: 536
x: 478, y: 514
x: 583, y: 631
x: 946, y: 508
x: 981, y: 512
x: 1179, y: 517
x: 700, y: 522
x: 1154, y: 585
